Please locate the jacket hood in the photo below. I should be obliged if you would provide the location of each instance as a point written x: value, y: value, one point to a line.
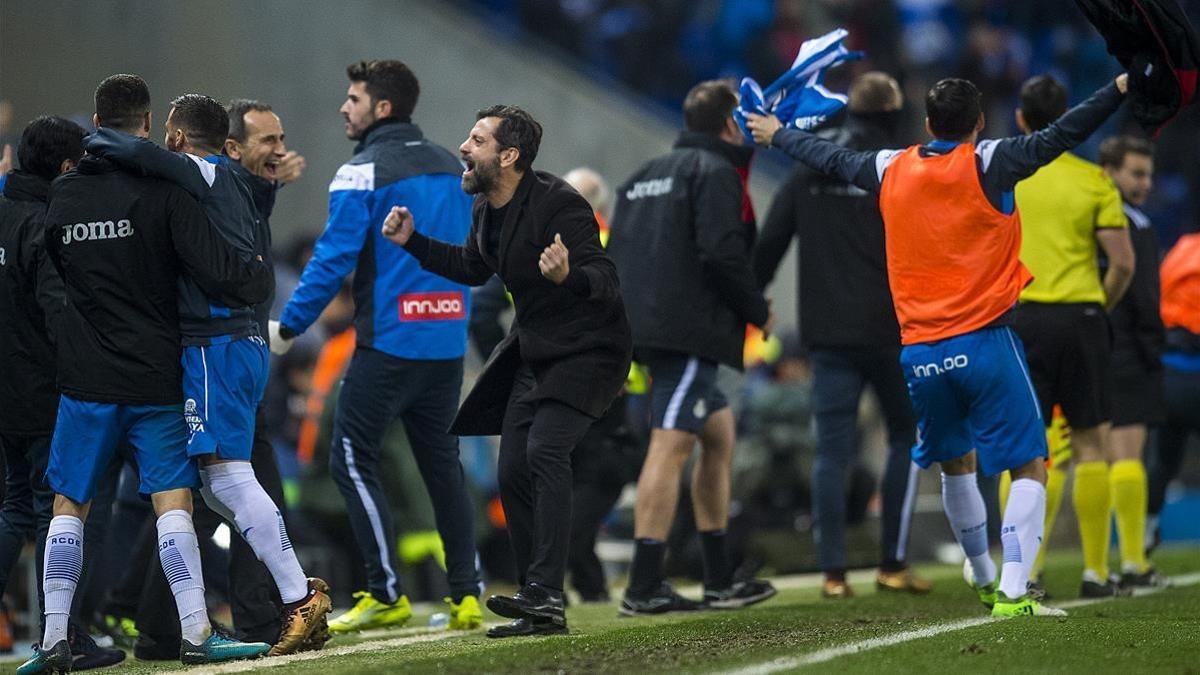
x: 25, y: 186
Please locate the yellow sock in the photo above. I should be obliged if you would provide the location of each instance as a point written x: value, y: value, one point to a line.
x: 1056, y: 483
x: 1129, y: 496
x: 1005, y: 486
x: 1093, y: 507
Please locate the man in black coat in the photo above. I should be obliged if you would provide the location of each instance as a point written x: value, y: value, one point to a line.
x: 562, y: 364
x: 849, y: 327
x: 681, y: 239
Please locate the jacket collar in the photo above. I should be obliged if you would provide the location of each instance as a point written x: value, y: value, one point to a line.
x: 388, y: 128
x: 737, y: 155
x: 512, y: 215
x: 262, y: 190
x: 26, y: 187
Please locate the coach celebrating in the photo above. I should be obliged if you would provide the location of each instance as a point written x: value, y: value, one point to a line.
x: 562, y: 364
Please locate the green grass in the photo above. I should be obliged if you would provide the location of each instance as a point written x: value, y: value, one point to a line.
x: 1147, y: 634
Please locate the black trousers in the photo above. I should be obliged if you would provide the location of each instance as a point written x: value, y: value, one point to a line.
x: 28, y: 507
x: 253, y: 597
x: 1182, y: 393
x: 839, y: 377
x: 377, y: 389
x: 534, y: 471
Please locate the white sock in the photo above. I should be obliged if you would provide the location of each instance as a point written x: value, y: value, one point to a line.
x: 1151, y: 529
x: 231, y: 488
x: 60, y: 575
x: 968, y: 518
x: 1021, y: 534
x: 179, y: 553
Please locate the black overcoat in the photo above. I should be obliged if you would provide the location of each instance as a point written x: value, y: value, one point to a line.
x: 575, y: 337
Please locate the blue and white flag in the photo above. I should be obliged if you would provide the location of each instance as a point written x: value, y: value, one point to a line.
x: 799, y: 97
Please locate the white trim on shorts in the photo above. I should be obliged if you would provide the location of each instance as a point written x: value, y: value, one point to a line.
x: 681, y: 391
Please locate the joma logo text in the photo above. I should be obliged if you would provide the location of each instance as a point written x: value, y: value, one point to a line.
x: 100, y: 229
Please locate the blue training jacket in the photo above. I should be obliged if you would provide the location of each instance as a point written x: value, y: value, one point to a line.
x: 400, y: 309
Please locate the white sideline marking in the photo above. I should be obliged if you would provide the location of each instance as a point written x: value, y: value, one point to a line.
x: 422, y: 635
x: 825, y: 655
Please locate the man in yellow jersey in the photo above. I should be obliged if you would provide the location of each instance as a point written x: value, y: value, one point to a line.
x: 1136, y: 384
x: 1068, y: 207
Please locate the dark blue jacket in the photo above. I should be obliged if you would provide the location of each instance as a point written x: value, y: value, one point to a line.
x: 230, y: 208
x: 400, y: 309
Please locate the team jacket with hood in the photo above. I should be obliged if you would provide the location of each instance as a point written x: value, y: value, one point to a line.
x: 681, y: 240
x: 400, y: 309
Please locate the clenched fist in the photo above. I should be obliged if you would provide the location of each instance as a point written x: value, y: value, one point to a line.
x: 398, y: 226
x: 553, y: 261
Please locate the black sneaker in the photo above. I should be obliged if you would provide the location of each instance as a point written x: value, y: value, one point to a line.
x: 740, y: 594
x: 1148, y: 579
x: 151, y: 648
x: 1036, y: 590
x: 1111, y: 588
x: 86, y: 654
x: 527, y: 626
x: 532, y: 601
x: 661, y: 601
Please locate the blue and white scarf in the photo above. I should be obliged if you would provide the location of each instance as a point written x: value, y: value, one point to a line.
x: 799, y: 97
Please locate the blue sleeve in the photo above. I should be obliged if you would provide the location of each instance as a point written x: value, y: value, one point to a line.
x: 334, y: 256
x: 144, y: 156
x: 1008, y: 161
x: 862, y: 169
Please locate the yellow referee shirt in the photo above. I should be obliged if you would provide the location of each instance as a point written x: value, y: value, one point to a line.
x: 1062, y: 206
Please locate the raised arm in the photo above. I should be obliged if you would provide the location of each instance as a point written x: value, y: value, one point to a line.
x: 1008, y: 161
x: 463, y: 263
x: 225, y: 273
x: 143, y: 156
x: 591, y: 273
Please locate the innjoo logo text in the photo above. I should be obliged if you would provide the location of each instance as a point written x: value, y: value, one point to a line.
x: 444, y: 306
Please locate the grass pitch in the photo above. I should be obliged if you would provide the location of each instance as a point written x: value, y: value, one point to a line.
x: 798, y: 631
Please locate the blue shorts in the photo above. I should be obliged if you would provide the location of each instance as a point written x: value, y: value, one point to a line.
x: 222, y: 385
x: 86, y: 436
x: 683, y: 390
x: 973, y: 392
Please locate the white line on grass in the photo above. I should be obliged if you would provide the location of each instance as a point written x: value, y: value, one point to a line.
x: 422, y: 635
x: 825, y: 655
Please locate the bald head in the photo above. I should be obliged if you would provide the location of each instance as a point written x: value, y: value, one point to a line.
x: 875, y: 92
x: 592, y: 186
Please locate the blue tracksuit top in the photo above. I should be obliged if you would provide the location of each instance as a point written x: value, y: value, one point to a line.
x: 400, y: 309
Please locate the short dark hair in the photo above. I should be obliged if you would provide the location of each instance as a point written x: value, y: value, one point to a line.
x: 953, y: 107
x: 237, y: 110
x: 874, y: 92
x: 1113, y: 150
x: 388, y: 80
x: 203, y: 119
x: 708, y: 105
x: 517, y: 129
x: 1043, y: 100
x: 46, y: 142
x: 122, y: 101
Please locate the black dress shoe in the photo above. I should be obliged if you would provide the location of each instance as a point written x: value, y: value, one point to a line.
x: 151, y: 648
x: 524, y: 626
x: 532, y: 601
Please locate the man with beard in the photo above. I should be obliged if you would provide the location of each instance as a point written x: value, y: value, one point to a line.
x: 411, y: 328
x: 563, y: 362
x: 848, y: 326
x: 681, y: 239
